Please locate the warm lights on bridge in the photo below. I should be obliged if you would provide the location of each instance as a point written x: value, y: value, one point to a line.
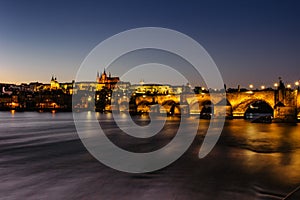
x: 276, y: 85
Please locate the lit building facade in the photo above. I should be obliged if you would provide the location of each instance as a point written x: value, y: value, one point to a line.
x: 106, y: 81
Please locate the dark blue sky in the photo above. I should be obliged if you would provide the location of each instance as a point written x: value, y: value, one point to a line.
x: 250, y: 41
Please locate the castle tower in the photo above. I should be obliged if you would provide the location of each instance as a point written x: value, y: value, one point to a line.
x: 98, y: 77
x: 103, y: 76
x: 54, y: 85
x: 107, y: 81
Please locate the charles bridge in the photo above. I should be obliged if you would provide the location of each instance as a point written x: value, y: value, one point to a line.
x: 284, y: 102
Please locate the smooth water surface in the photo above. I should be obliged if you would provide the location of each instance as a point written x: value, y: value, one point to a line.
x: 41, y: 157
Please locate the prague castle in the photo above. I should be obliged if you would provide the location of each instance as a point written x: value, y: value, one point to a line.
x: 108, y: 82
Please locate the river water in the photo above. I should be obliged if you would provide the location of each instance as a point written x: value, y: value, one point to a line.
x: 42, y: 157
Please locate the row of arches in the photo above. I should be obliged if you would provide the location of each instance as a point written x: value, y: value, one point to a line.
x: 249, y: 108
x: 169, y: 107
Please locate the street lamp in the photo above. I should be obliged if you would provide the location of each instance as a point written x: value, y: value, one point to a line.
x: 288, y: 86
x: 251, y: 86
x: 276, y: 85
x: 263, y: 87
x: 297, y: 85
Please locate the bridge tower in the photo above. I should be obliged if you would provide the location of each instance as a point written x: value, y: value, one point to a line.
x: 285, y: 109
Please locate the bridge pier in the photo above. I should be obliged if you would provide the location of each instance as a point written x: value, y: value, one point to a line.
x: 218, y: 111
x: 285, y: 114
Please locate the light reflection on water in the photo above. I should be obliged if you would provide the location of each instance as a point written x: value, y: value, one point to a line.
x: 42, y: 157
x: 264, y: 138
x: 273, y: 149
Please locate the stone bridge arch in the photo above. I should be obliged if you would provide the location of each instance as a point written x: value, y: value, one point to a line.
x: 162, y: 99
x: 144, y: 106
x: 168, y: 103
x: 241, y: 100
x: 197, y: 101
x: 145, y: 98
x: 171, y: 107
x: 243, y: 106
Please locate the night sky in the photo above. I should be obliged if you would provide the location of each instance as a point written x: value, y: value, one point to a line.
x: 250, y: 41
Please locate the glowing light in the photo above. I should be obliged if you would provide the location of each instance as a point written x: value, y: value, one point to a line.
x: 144, y: 96
x: 251, y: 86
x: 263, y: 87
x: 275, y: 84
x: 288, y: 86
x: 89, y: 98
x: 12, y: 112
x: 203, y: 88
x: 297, y: 83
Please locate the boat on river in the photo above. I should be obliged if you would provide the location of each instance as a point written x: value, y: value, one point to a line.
x: 267, y: 119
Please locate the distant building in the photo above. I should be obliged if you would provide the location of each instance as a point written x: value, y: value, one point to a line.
x: 35, y: 86
x: 54, y: 85
x: 108, y: 82
x: 152, y: 89
x: 67, y: 87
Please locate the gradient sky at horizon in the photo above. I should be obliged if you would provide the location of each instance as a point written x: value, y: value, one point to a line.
x: 250, y: 41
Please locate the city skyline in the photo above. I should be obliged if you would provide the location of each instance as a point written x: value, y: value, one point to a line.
x: 251, y: 42
x: 288, y: 84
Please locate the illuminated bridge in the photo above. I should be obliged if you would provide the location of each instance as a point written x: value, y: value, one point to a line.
x: 284, y: 103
